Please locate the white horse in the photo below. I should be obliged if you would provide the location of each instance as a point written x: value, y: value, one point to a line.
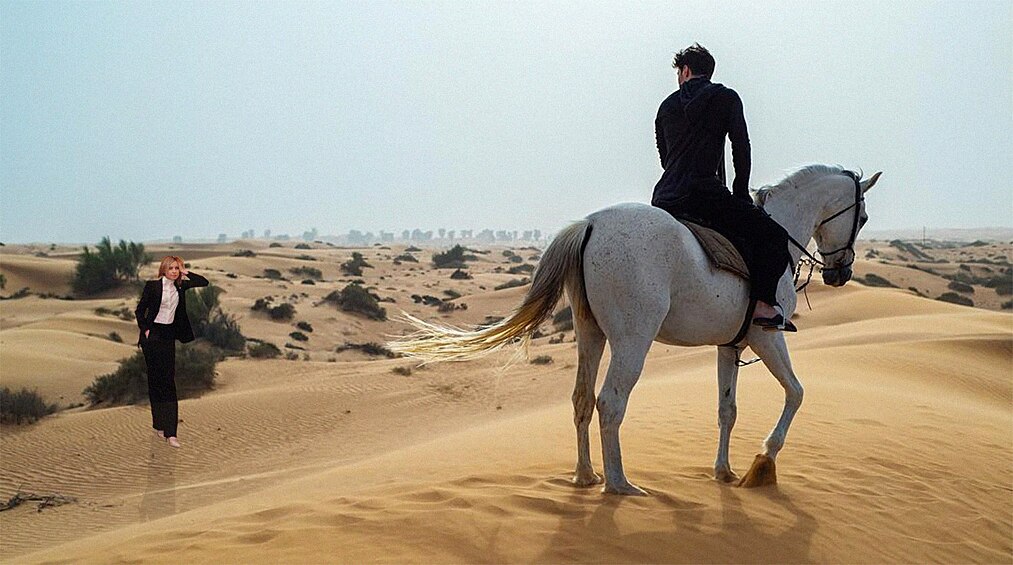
x: 635, y: 275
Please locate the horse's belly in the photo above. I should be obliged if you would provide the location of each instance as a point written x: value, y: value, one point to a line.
x: 705, y: 310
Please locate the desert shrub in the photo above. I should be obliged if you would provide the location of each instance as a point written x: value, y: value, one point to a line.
x: 426, y: 299
x: 357, y: 300
x: 508, y: 253
x: 309, y: 282
x: 407, y: 258
x: 306, y: 258
x: 261, y: 304
x: 445, y: 307
x: 23, y: 407
x: 412, y: 249
x: 512, y: 283
x: 516, y: 259
x: 955, y: 298
x: 459, y: 275
x: 1007, y: 305
x: 303, y: 246
x: 195, y: 373
x: 282, y: 312
x: 542, y: 360
x: 369, y: 348
x: 308, y: 272
x: 274, y: 244
x: 451, y: 293
x: 405, y: 371
x: 108, y: 266
x: 964, y: 267
x: 273, y: 274
x: 123, y: 313
x: 563, y: 320
x: 222, y: 330
x: 872, y: 279
x: 244, y: 253
x: 452, y: 258
x: 521, y: 269
x: 916, y: 291
x: 3, y: 281
x: 114, y: 336
x: 264, y: 350
x: 355, y: 265
x: 1003, y: 284
x: 305, y: 326
x: 291, y: 355
x: 960, y: 287
x: 298, y: 336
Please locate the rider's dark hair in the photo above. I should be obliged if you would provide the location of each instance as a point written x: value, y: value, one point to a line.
x: 697, y: 58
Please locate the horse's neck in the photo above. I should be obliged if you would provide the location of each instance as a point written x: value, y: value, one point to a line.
x: 796, y: 212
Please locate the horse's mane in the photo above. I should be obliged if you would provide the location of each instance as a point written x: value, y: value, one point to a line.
x: 799, y: 178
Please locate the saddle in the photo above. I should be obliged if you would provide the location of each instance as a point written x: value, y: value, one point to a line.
x: 719, y: 249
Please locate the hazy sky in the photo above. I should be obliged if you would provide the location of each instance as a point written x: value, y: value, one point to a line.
x: 144, y: 120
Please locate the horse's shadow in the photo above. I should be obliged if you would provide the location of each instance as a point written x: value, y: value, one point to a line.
x: 696, y: 529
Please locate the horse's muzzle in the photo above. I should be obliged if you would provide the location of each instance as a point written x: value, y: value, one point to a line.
x: 837, y: 276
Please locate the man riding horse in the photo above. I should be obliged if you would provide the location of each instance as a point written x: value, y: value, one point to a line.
x: 691, y: 127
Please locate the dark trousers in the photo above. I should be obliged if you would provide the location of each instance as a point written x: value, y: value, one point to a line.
x: 160, y: 358
x: 762, y: 242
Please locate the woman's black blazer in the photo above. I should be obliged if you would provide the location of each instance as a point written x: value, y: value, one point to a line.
x: 151, y: 301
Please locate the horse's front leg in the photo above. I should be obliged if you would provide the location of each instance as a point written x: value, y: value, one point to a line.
x: 771, y: 348
x: 728, y: 373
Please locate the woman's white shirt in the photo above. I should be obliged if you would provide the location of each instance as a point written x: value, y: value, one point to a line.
x: 170, y: 299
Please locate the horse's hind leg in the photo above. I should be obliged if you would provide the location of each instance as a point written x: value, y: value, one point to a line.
x: 728, y: 373
x: 624, y: 371
x: 590, y: 345
x: 770, y: 346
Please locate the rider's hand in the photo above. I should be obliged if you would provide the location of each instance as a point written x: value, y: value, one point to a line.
x: 146, y: 332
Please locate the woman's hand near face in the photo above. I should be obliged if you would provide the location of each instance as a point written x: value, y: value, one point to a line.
x: 146, y: 332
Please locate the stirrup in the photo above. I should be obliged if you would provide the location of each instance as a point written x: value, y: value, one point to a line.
x: 775, y: 324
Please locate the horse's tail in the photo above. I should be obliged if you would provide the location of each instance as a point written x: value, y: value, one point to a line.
x: 562, y: 265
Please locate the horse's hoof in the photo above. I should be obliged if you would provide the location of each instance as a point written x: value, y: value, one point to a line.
x: 725, y: 475
x: 625, y: 490
x: 588, y: 479
x: 762, y: 473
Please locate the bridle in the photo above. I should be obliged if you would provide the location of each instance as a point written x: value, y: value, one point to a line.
x: 859, y: 198
x: 812, y: 260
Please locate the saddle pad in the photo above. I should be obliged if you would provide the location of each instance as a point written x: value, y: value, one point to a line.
x: 719, y: 250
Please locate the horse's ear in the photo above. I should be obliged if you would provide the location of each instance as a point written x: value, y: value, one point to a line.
x: 867, y: 184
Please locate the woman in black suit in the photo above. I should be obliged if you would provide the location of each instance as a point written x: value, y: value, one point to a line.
x: 161, y: 317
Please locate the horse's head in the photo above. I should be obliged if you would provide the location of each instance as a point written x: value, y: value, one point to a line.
x: 838, y: 228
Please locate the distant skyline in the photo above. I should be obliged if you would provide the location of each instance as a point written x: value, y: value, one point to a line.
x: 142, y: 121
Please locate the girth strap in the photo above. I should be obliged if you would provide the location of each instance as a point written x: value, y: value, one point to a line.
x: 745, y: 325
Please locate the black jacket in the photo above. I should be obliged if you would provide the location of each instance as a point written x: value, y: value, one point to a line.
x: 690, y: 129
x: 151, y: 301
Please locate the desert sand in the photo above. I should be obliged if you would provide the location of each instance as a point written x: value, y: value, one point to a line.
x: 902, y: 450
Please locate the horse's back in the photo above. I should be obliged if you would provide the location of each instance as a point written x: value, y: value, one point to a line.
x: 639, y: 262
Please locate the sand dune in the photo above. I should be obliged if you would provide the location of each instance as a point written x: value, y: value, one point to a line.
x: 902, y: 450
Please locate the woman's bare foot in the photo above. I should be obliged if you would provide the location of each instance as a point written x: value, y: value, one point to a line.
x: 173, y: 441
x: 160, y: 434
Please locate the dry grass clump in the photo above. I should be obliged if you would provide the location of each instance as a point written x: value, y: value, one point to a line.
x: 263, y: 350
